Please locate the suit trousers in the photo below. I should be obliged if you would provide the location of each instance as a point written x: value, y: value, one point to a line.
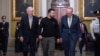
x: 48, y: 45
x: 4, y: 43
x: 29, y: 46
x: 69, y: 46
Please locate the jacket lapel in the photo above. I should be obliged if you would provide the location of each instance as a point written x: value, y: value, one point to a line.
x: 32, y: 22
x: 27, y: 22
x: 66, y: 21
x: 72, y: 21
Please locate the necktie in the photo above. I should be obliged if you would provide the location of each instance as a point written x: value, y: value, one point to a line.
x: 82, y: 28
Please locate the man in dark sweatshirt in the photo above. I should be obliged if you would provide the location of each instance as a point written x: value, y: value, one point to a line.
x: 48, y: 30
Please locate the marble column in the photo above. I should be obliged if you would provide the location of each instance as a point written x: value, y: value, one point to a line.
x: 74, y: 5
x: 44, y: 8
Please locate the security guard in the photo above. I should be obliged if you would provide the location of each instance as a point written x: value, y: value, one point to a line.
x: 95, y: 32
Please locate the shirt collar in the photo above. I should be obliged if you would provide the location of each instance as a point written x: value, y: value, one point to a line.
x: 70, y: 17
x: 3, y: 22
x: 30, y: 17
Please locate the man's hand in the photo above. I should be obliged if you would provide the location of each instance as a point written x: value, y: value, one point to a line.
x: 2, y: 28
x: 58, y: 40
x: 21, y: 39
x: 61, y: 40
x: 94, y: 39
x: 40, y: 37
x: 80, y: 39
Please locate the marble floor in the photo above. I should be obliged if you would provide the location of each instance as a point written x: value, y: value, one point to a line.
x: 57, y: 53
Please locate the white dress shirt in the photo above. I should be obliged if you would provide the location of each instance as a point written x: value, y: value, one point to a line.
x: 69, y: 21
x: 30, y: 21
x: 94, y: 27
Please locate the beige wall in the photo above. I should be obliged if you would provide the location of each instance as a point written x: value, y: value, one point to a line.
x: 5, y: 9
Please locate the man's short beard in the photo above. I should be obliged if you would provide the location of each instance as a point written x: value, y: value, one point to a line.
x: 52, y: 16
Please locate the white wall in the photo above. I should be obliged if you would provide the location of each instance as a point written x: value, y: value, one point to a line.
x: 49, y: 4
x: 74, y: 5
x: 42, y: 8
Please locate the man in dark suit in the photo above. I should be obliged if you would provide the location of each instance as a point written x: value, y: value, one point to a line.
x: 84, y: 33
x: 29, y: 32
x: 70, y: 31
x: 4, y: 33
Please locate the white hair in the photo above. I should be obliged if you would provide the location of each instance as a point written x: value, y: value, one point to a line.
x: 70, y: 8
x: 29, y: 8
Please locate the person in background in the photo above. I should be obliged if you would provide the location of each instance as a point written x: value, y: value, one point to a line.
x: 18, y: 43
x: 50, y: 28
x: 69, y: 31
x: 4, y: 28
x: 29, y: 32
x: 84, y: 33
x: 95, y: 32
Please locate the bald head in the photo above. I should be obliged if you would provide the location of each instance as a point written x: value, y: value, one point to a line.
x: 30, y: 11
x: 69, y: 11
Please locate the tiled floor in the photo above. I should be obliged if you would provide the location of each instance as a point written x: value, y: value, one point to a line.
x: 57, y: 53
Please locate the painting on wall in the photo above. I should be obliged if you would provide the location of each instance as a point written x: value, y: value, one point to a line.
x: 88, y: 7
x: 19, y: 7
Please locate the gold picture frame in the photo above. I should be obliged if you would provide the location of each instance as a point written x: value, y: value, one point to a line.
x: 81, y: 9
x: 13, y: 11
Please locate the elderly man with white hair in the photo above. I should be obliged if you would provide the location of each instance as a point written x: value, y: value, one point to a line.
x: 29, y: 32
x: 70, y: 31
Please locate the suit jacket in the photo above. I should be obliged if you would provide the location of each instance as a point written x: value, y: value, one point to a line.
x: 5, y: 31
x: 27, y: 32
x: 70, y: 33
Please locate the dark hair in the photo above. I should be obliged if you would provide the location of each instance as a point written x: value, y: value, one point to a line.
x: 2, y: 17
x: 51, y: 10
